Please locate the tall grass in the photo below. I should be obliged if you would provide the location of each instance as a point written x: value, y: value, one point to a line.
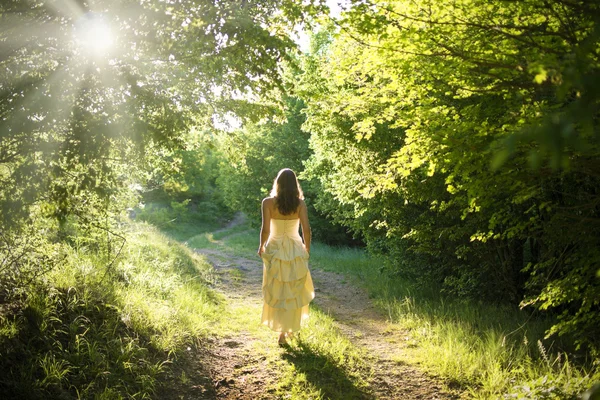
x: 100, y: 329
x: 163, y: 289
x: 493, y: 351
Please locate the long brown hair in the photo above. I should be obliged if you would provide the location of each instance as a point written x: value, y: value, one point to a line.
x: 287, y: 192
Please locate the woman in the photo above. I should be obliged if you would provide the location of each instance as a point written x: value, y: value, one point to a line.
x: 287, y: 284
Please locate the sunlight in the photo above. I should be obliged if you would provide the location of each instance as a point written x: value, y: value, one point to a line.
x: 93, y: 34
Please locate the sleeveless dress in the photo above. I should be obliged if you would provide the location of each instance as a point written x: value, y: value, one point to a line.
x: 287, y: 285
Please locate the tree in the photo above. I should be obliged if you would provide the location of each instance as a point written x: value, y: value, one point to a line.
x: 252, y: 157
x: 91, y: 92
x: 442, y: 109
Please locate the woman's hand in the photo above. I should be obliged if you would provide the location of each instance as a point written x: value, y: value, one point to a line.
x: 261, y: 250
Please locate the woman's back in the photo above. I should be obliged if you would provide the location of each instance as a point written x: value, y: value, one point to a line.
x: 276, y: 214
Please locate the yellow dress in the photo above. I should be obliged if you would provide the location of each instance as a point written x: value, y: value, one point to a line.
x: 287, y: 285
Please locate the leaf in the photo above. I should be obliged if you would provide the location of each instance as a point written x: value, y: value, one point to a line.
x: 541, y: 76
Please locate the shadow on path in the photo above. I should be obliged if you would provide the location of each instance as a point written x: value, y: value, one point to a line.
x: 188, y: 378
x: 322, y: 372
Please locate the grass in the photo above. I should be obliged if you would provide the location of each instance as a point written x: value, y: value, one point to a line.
x: 241, y: 240
x: 164, y: 290
x: 177, y: 222
x: 323, y: 364
x: 320, y: 364
x: 93, y: 329
x: 96, y: 329
x: 490, y: 351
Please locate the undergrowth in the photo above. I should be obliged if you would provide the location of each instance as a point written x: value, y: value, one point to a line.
x: 493, y: 351
x: 104, y: 329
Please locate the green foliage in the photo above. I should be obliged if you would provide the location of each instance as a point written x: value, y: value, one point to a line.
x: 494, y: 351
x: 253, y: 156
x: 410, y: 105
x: 81, y: 123
x: 187, y: 172
x: 458, y: 139
x: 93, y: 330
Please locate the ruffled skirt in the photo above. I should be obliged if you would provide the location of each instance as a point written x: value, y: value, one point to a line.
x: 287, y: 285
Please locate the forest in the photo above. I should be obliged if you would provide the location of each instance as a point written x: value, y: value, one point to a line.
x: 449, y: 153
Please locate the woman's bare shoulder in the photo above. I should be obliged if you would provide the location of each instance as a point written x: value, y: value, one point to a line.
x: 268, y: 201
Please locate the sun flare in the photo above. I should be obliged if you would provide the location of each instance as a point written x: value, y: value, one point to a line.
x: 93, y: 34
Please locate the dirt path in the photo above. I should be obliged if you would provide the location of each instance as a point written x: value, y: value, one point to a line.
x: 240, y: 370
x: 237, y: 369
x: 367, y: 328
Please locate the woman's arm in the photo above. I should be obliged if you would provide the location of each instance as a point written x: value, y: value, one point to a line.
x: 303, y: 214
x: 265, y: 228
